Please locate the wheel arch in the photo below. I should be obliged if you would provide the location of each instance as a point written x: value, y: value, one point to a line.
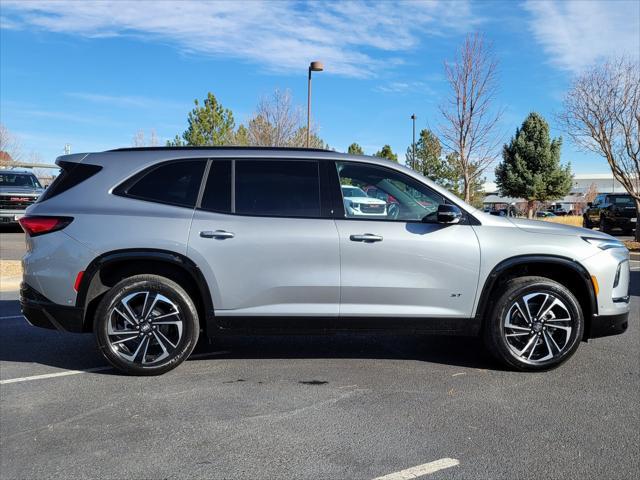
x: 564, y: 270
x: 111, y: 267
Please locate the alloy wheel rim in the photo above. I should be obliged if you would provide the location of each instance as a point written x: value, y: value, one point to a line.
x: 144, y: 327
x: 538, y: 327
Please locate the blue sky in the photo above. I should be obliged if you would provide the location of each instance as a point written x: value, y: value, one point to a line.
x: 91, y: 74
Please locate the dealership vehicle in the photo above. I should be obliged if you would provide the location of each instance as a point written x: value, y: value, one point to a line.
x: 358, y: 203
x: 18, y: 190
x: 543, y: 214
x: 150, y: 248
x: 609, y: 211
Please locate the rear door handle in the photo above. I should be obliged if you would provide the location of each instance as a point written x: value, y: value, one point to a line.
x: 366, y: 237
x: 219, y: 234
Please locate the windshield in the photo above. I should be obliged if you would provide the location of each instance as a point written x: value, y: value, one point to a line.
x: 623, y: 200
x: 19, y: 180
x: 353, y: 192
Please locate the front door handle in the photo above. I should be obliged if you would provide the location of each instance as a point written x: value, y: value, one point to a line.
x: 366, y: 237
x: 219, y: 234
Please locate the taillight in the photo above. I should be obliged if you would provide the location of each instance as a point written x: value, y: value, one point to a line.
x: 34, y: 226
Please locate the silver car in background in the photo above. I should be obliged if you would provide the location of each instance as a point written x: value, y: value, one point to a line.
x: 151, y: 248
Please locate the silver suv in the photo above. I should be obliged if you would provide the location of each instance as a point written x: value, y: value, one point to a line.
x: 150, y: 248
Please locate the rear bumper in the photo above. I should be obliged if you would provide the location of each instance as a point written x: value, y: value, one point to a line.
x: 41, y: 312
x: 606, y: 325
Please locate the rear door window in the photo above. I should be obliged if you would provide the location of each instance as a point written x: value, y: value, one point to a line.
x: 217, y: 193
x: 282, y: 188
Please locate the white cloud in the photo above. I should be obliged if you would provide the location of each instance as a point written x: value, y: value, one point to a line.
x: 281, y: 36
x: 577, y: 33
x: 126, y: 101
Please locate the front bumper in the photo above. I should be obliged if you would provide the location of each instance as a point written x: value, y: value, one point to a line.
x: 606, y: 325
x: 42, y: 312
x: 10, y: 216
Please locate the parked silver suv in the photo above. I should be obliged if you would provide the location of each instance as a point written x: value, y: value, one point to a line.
x: 151, y: 247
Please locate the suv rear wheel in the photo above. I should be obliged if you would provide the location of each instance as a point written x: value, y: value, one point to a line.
x: 536, y: 324
x: 146, y: 325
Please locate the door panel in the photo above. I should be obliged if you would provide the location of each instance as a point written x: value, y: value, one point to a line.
x: 403, y: 263
x: 271, y: 266
x: 417, y: 269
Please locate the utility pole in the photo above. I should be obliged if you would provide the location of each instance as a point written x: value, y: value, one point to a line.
x: 413, y: 144
x: 313, y: 67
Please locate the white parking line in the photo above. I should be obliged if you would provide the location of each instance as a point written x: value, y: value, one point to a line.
x: 420, y: 470
x: 88, y: 370
x: 52, y: 375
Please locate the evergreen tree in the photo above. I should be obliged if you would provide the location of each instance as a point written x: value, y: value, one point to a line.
x: 387, y: 153
x: 241, y: 137
x: 209, y: 125
x: 428, y: 160
x: 531, y: 165
x: 355, y: 149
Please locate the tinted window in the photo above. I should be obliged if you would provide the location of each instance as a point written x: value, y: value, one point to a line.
x: 389, y: 194
x: 71, y: 174
x: 176, y: 183
x: 277, y: 188
x: 19, y: 180
x: 217, y: 193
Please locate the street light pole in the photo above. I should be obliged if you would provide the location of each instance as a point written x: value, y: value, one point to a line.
x: 313, y: 67
x: 413, y: 144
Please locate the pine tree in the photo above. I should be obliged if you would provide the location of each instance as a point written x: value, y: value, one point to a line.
x: 387, y: 153
x: 355, y: 149
x: 531, y: 165
x: 209, y: 125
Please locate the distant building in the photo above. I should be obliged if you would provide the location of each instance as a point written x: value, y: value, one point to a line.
x: 573, y: 202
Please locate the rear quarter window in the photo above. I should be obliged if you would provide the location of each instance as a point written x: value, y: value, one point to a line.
x: 174, y: 183
x: 71, y: 174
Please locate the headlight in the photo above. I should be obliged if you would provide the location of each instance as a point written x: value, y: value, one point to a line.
x: 603, y: 243
x: 355, y: 205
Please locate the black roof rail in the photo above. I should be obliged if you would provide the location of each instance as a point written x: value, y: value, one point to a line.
x: 226, y: 147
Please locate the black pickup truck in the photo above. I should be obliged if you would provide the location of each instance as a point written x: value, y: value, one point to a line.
x: 609, y: 210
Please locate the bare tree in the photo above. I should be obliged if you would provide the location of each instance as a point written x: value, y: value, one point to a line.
x: 138, y: 139
x: 470, y: 120
x: 602, y: 114
x: 278, y: 123
x: 10, y: 146
x: 153, y: 138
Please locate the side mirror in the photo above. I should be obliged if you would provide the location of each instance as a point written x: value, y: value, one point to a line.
x: 589, y: 204
x: 449, y: 214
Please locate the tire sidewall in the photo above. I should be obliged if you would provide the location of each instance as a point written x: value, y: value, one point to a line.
x: 506, y: 301
x: 155, y: 284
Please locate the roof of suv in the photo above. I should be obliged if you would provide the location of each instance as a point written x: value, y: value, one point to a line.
x: 229, y: 147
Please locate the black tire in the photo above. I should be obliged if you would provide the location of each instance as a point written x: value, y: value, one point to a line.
x: 585, y: 222
x: 495, y: 330
x: 181, y: 327
x: 604, y: 228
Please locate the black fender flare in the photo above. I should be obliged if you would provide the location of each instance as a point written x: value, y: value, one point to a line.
x: 165, y: 256
x: 518, y: 260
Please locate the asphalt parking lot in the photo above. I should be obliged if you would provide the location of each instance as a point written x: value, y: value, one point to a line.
x: 298, y: 407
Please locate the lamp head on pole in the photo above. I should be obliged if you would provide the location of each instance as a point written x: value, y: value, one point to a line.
x: 413, y: 116
x: 316, y: 67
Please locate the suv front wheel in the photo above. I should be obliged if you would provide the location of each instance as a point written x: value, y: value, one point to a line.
x: 146, y: 325
x: 536, y: 324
